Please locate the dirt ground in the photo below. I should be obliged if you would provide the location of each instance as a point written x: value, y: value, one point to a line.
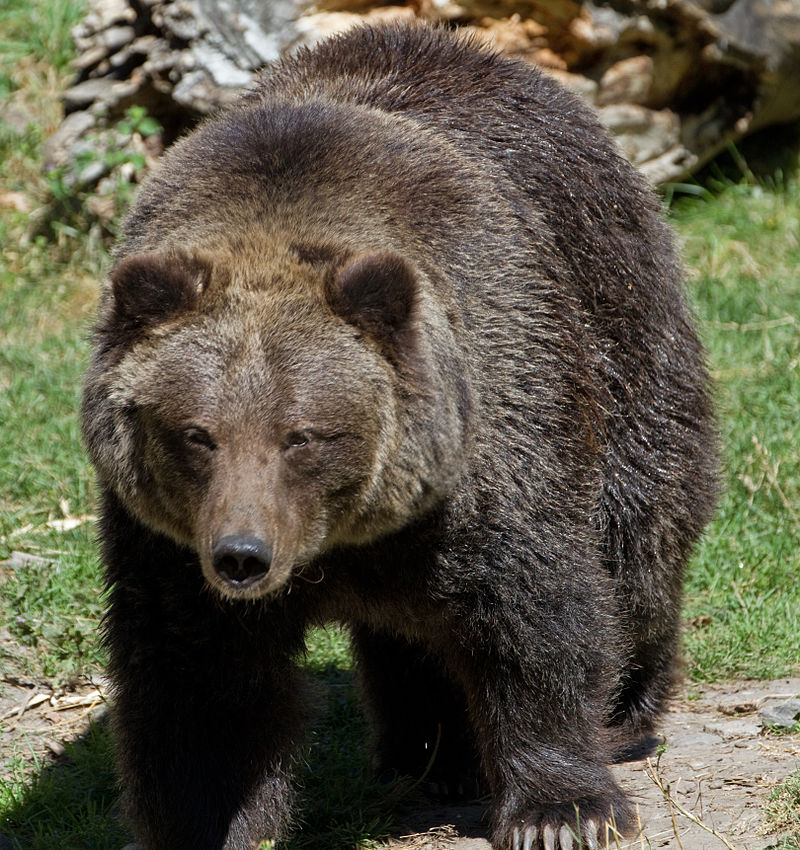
x: 35, y: 718
x: 718, y: 768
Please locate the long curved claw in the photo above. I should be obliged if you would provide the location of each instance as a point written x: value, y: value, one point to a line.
x: 590, y: 834
x: 549, y: 838
x: 565, y: 838
x: 529, y: 841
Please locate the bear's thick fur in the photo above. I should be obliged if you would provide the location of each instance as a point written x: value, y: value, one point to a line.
x: 397, y: 341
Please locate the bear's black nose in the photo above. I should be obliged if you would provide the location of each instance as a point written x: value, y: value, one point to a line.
x: 241, y: 559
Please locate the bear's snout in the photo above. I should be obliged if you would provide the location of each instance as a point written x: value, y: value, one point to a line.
x: 241, y: 559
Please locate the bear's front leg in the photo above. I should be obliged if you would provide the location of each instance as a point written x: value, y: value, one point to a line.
x: 539, y: 668
x: 206, y: 708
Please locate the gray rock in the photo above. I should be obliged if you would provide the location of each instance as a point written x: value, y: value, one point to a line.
x: 84, y: 94
x: 785, y: 715
x: 58, y: 148
x: 17, y: 117
x: 113, y: 38
x: 642, y: 134
x: 20, y: 561
x: 732, y: 728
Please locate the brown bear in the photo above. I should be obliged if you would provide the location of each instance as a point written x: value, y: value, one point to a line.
x: 397, y: 341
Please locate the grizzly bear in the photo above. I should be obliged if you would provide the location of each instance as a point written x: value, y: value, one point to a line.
x: 396, y: 341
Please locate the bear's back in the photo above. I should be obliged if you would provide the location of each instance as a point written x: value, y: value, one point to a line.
x: 562, y: 176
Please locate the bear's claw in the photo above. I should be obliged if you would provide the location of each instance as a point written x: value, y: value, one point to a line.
x: 523, y: 839
x: 590, y: 834
x: 461, y: 788
x: 531, y: 838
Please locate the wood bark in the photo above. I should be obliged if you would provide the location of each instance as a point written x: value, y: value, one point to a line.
x: 675, y: 81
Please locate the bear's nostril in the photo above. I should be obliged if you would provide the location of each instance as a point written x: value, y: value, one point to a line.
x: 241, y: 559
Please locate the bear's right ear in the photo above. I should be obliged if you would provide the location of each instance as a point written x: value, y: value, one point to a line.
x: 148, y: 289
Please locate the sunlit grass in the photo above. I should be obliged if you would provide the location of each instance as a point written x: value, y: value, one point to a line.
x: 743, y: 595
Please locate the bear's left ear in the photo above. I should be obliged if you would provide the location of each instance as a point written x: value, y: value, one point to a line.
x: 376, y: 293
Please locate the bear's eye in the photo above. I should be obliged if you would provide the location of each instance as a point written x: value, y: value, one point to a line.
x: 296, y: 440
x: 197, y: 437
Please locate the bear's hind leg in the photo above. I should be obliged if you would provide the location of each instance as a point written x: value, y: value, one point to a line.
x: 418, y: 714
x: 646, y: 552
x: 642, y: 698
x: 660, y: 491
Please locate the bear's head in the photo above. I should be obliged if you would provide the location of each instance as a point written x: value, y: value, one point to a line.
x: 262, y: 413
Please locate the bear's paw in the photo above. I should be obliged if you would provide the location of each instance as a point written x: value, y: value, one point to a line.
x: 591, y: 825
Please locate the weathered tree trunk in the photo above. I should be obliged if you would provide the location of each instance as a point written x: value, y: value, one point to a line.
x: 675, y: 81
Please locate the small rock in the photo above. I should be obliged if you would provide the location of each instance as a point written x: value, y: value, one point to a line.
x: 22, y: 203
x: 590, y: 34
x: 197, y: 91
x: 314, y: 27
x: 671, y: 165
x: 627, y: 81
x: 137, y: 48
x: 114, y: 38
x: 576, y: 83
x: 58, y: 147
x: 693, y: 741
x: 89, y: 57
x: 785, y: 715
x: 737, y: 727
x: 737, y: 707
x: 87, y: 92
x: 56, y: 748
x: 548, y: 59
x: 103, y: 14
x: 18, y: 118
x: 642, y: 134
x: 21, y: 560
x: 102, y: 207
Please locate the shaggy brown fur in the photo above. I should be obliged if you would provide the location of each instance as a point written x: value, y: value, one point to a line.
x: 398, y: 341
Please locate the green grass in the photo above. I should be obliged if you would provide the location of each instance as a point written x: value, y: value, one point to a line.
x: 743, y: 595
x: 783, y: 812
x: 38, y: 30
x: 44, y: 309
x: 69, y: 804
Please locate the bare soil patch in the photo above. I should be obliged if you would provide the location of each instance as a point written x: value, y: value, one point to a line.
x: 36, y: 717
